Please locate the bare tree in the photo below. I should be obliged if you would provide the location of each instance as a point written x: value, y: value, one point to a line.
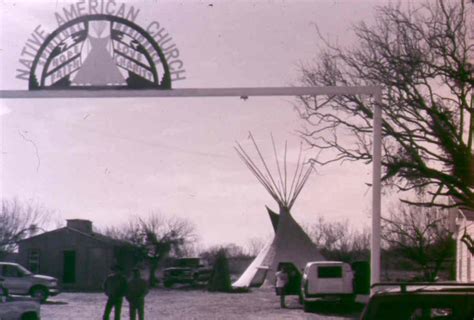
x: 419, y: 55
x: 157, y: 236
x: 231, y: 250
x: 254, y: 246
x: 338, y: 241
x: 19, y: 220
x: 421, y: 235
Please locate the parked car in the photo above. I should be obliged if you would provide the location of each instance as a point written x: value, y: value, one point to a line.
x: 186, y: 271
x: 20, y: 281
x: 423, y: 301
x: 17, y: 308
x: 326, y: 280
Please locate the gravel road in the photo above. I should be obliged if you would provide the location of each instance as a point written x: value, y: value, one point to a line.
x: 188, y: 304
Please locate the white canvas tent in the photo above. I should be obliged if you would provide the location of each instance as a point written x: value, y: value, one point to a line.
x: 290, y: 243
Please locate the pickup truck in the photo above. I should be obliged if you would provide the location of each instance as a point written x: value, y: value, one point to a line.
x: 421, y: 301
x: 186, y: 271
x: 20, y: 281
x: 15, y: 308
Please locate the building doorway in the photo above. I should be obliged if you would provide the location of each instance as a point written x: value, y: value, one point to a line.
x: 69, y: 266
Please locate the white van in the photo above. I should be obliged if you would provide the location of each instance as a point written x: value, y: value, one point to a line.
x: 328, y: 280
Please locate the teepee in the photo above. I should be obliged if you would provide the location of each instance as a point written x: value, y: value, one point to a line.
x: 290, y: 243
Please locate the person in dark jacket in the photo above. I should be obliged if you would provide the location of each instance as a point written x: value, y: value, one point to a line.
x: 115, y: 287
x: 137, y: 289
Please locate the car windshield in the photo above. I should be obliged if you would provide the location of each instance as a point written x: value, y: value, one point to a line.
x: 24, y: 271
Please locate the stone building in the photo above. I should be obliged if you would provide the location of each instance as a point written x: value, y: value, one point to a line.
x: 79, y: 257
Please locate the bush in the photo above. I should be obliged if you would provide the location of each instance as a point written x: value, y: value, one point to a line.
x: 220, y: 276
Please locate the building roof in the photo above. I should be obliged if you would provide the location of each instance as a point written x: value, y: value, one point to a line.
x: 93, y: 235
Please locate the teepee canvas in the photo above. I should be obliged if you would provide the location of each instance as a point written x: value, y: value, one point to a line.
x: 290, y: 243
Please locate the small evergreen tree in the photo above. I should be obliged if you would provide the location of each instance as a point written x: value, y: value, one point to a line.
x: 220, y: 277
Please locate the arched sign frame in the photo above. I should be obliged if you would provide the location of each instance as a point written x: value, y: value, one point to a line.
x: 164, y: 83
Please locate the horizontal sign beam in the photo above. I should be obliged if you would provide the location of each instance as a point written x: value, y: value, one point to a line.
x: 188, y: 92
x: 375, y: 91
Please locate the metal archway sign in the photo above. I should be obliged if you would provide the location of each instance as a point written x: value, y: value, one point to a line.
x: 374, y: 91
x: 89, y: 51
x: 99, y: 46
x: 98, y: 50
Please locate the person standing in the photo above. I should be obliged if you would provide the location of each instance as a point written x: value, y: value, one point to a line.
x: 281, y: 283
x: 115, y: 287
x: 137, y: 289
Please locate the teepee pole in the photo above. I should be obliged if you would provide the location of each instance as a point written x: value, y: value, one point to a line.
x: 277, y: 189
x: 293, y: 182
x: 283, y: 186
x: 256, y: 172
x: 267, y: 170
x: 301, y: 185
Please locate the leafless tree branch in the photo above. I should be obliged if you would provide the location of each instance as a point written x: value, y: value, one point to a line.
x: 419, y: 55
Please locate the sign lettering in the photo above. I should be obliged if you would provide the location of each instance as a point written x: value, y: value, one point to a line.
x: 98, y: 44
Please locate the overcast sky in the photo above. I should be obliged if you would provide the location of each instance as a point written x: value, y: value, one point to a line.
x: 108, y: 159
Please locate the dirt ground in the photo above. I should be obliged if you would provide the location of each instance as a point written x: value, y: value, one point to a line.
x: 189, y: 304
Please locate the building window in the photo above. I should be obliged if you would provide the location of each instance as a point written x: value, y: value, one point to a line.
x: 34, y: 260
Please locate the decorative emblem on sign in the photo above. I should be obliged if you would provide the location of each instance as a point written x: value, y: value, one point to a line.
x: 100, y: 51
